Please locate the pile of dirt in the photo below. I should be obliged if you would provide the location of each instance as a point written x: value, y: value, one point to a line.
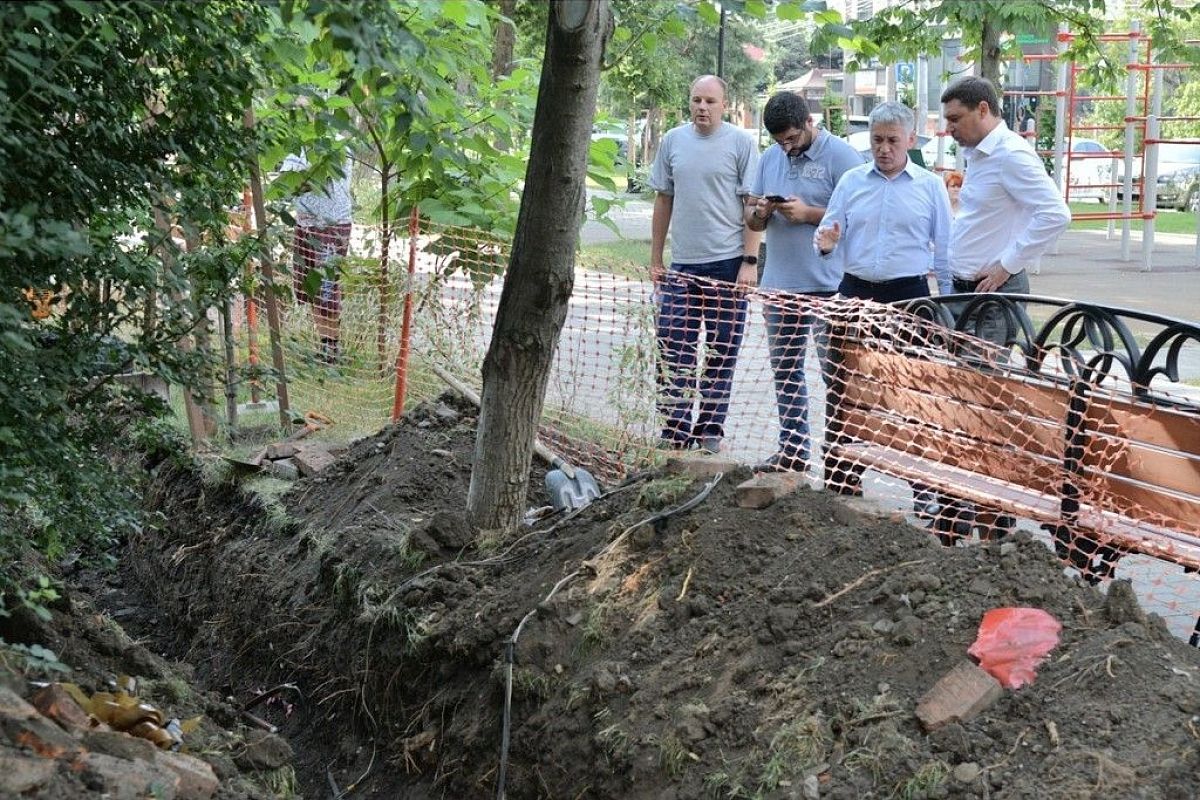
x: 715, y: 652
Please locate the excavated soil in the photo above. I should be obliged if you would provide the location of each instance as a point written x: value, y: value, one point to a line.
x: 715, y: 652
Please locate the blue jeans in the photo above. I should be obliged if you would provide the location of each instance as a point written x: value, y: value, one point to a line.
x: 789, y: 326
x: 686, y: 306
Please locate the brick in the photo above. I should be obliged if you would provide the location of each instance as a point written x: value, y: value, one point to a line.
x: 19, y: 774
x: 38, y: 735
x: 960, y: 695
x: 56, y: 703
x: 118, y: 745
x: 311, y: 460
x: 121, y: 779
x: 13, y: 705
x: 281, y: 450
x: 763, y: 490
x: 197, y: 781
x: 699, y: 465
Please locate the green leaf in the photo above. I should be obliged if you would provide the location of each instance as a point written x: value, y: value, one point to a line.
x: 756, y: 9
x: 709, y: 12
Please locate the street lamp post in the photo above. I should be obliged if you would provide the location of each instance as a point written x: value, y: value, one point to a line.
x: 721, y: 45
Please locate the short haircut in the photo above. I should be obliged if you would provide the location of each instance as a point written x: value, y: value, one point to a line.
x: 971, y: 91
x: 785, y: 110
x: 720, y: 82
x: 892, y: 113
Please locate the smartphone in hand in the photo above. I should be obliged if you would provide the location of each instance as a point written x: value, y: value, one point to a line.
x: 776, y: 198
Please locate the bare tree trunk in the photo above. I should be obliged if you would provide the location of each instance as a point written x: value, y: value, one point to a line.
x: 989, y: 54
x: 541, y: 272
x: 505, y: 39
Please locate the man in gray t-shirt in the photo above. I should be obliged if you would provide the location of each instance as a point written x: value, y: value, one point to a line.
x: 800, y: 174
x: 701, y: 174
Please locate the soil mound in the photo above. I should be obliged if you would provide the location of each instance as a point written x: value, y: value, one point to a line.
x: 712, y: 652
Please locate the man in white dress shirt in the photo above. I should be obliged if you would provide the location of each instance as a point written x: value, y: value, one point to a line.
x: 885, y: 216
x: 1010, y: 211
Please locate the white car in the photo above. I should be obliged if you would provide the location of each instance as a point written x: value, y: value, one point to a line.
x: 1087, y: 166
x: 1178, y: 176
x: 861, y: 141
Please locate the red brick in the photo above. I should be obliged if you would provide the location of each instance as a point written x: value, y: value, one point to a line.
x: 56, y: 703
x: 197, y: 781
x: 960, y: 695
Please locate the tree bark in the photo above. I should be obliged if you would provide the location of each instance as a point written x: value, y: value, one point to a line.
x: 504, y: 40
x: 989, y: 55
x: 540, y: 275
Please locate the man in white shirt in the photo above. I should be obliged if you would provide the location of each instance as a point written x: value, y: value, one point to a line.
x: 886, y: 215
x: 1010, y: 211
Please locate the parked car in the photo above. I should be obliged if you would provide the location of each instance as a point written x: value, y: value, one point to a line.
x: 1178, y: 184
x: 1087, y: 168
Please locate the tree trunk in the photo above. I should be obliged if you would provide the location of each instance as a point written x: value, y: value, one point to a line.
x: 989, y: 56
x: 541, y: 270
x: 505, y: 39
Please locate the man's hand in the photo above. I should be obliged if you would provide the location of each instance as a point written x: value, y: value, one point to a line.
x: 657, y: 271
x: 747, y: 277
x: 826, y: 239
x: 991, y: 278
x: 794, y: 210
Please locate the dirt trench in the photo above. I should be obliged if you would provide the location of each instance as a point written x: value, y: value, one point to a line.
x: 719, y: 652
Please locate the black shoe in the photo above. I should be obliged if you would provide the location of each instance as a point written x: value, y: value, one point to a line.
x: 782, y: 462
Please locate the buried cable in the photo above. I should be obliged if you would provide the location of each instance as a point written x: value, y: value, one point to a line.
x: 510, y: 644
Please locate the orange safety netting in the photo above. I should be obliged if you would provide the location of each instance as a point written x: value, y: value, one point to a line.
x: 968, y: 437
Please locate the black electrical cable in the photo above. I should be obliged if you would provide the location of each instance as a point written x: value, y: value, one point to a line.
x: 510, y: 644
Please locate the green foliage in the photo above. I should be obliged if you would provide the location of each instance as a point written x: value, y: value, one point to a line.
x: 30, y: 659
x: 406, y: 87
x: 903, y: 32
x: 107, y: 109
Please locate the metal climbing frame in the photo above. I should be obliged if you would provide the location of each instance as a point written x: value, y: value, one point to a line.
x: 1143, y: 116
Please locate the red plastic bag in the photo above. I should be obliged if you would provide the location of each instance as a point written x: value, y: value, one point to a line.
x: 1012, y: 642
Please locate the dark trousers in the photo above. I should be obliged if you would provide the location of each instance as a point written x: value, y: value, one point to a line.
x: 906, y: 288
x: 790, y: 324
x: 687, y: 307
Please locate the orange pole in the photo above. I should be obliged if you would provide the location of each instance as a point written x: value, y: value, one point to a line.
x: 251, y: 309
x: 406, y: 327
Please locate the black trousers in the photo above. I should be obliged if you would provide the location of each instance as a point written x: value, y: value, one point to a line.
x: 906, y: 288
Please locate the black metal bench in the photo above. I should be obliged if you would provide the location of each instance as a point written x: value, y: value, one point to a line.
x: 1066, y: 424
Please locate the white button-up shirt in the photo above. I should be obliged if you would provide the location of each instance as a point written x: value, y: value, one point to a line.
x: 890, y: 225
x: 1009, y: 210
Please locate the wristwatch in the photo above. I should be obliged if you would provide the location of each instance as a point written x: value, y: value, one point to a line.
x: 751, y: 260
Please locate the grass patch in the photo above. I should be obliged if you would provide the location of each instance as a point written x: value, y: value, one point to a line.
x: 629, y: 258
x: 926, y: 779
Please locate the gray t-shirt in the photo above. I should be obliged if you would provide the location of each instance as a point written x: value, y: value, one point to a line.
x: 792, y: 263
x: 708, y: 177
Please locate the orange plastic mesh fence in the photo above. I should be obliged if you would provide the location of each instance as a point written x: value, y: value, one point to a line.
x: 964, y: 436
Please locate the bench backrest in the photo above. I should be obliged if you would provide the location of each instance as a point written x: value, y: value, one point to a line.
x: 990, y: 424
x: 1141, y: 460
